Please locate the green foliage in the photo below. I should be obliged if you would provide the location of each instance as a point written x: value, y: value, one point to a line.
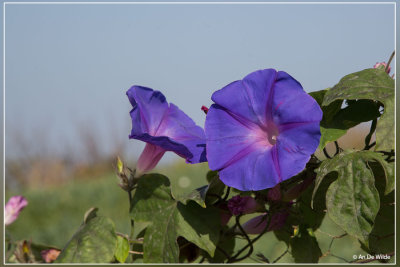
x: 94, y: 242
x: 122, y: 250
x: 336, y: 121
x: 352, y: 200
x: 373, y: 84
x: 305, y: 247
x: 169, y: 219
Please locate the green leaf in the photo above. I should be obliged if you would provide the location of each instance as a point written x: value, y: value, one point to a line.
x: 329, y: 135
x: 352, y: 200
x: 305, y: 248
x: 198, y: 195
x: 336, y: 121
x: 381, y: 239
x: 169, y: 218
x: 374, y: 84
x: 94, y: 242
x: 122, y: 251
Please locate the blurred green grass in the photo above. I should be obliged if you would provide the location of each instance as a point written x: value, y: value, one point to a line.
x: 54, y: 213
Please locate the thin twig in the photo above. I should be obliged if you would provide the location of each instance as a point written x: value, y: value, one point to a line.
x: 337, y: 148
x: 326, y: 153
x: 390, y: 61
x: 283, y: 254
x: 253, y: 240
x: 368, y: 137
x: 228, y: 190
x: 135, y: 252
x: 248, y: 240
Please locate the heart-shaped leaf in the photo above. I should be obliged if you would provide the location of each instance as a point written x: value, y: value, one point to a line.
x: 373, y: 84
x: 169, y: 218
x: 94, y: 242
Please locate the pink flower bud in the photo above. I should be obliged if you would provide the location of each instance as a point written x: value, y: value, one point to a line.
x: 13, y: 207
x: 382, y: 65
x: 205, y: 109
x: 50, y: 255
x: 274, y: 194
x: 149, y: 158
x: 242, y: 205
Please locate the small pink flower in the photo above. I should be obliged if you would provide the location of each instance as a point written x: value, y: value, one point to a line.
x: 242, y: 205
x: 50, y: 255
x: 382, y: 65
x: 13, y: 207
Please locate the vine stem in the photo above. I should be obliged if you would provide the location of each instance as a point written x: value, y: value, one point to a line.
x: 132, y: 222
x: 390, y: 61
x: 368, y: 137
x: 234, y: 258
x: 248, y: 240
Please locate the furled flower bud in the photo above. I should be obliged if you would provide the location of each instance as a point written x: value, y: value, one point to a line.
x: 242, y: 205
x: 205, y: 109
x: 382, y: 65
x: 50, y: 255
x: 274, y: 194
x: 257, y: 224
x: 13, y: 207
x: 126, y: 176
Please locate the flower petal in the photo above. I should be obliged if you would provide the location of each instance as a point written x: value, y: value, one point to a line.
x: 154, y: 122
x: 149, y: 158
x: 291, y: 104
x: 228, y: 137
x: 13, y: 207
x: 248, y: 98
x: 148, y: 110
x: 180, y: 128
x: 294, y: 147
x: 255, y: 171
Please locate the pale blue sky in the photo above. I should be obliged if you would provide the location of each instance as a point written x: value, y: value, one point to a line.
x: 70, y: 65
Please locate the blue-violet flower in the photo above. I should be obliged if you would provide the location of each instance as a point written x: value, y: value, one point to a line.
x: 164, y: 128
x: 261, y: 130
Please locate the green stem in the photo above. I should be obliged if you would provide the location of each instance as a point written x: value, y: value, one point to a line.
x: 390, y: 60
x: 248, y: 244
x: 132, y: 223
x: 368, y: 137
x: 234, y: 258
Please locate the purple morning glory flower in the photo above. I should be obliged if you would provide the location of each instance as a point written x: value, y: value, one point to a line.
x: 164, y: 128
x: 261, y: 130
x: 13, y: 207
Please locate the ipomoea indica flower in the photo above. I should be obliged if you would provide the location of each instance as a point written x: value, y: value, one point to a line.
x: 261, y: 130
x: 164, y: 127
